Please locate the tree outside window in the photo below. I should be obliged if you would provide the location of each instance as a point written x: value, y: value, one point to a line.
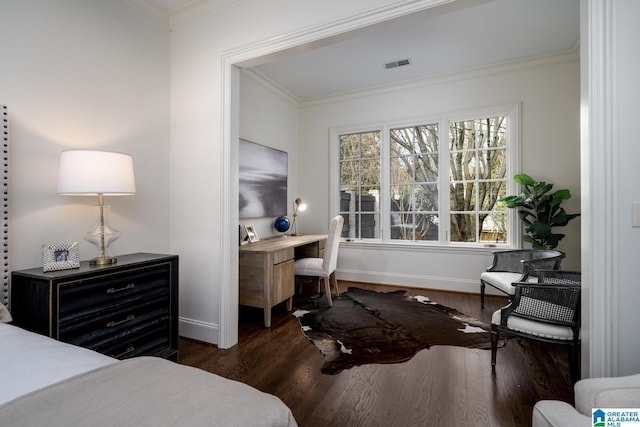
x: 477, y: 170
x: 360, y: 184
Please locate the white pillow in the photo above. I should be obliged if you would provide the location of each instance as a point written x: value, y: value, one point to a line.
x: 5, y: 316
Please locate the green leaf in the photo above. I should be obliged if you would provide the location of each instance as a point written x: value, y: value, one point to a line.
x: 553, y: 240
x: 546, y: 188
x: 511, y: 201
x: 563, y: 194
x: 540, y: 230
x: 542, y: 188
x: 555, y: 202
x: 524, y: 179
x: 562, y: 220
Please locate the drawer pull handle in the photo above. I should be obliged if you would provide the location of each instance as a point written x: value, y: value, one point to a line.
x: 127, y: 351
x: 113, y: 323
x: 114, y: 290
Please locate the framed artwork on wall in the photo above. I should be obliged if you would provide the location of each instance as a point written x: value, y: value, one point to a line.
x: 262, y: 181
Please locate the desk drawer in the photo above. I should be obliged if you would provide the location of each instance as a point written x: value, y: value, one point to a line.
x: 282, y: 255
x: 311, y: 250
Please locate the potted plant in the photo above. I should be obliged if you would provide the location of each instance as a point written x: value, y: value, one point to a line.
x: 540, y: 211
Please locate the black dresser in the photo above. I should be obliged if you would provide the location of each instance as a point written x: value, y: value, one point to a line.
x: 122, y: 310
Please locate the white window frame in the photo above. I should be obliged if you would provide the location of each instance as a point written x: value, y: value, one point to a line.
x: 514, y: 227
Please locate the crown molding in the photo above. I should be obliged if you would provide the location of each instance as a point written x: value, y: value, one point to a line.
x: 198, y: 9
x: 151, y: 9
x: 178, y: 16
x: 271, y: 86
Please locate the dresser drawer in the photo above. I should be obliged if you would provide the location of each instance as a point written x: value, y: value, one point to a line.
x: 150, y: 342
x: 117, y: 324
x: 90, y: 297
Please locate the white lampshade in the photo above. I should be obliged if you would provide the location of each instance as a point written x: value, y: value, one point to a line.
x: 89, y: 172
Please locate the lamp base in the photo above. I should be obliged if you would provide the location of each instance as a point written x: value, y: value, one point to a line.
x: 102, y: 236
x: 103, y: 261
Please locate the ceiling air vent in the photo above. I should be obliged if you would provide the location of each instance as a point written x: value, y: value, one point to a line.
x: 397, y: 64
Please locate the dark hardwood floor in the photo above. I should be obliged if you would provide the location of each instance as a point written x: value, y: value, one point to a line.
x: 440, y: 386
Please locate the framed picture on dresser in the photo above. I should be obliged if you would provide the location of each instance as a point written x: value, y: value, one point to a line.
x: 60, y: 256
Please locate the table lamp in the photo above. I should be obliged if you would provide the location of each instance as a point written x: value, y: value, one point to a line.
x: 298, y: 205
x: 97, y: 173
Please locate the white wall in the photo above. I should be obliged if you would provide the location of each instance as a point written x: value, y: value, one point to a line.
x: 268, y: 117
x: 83, y: 75
x: 626, y: 315
x: 548, y: 91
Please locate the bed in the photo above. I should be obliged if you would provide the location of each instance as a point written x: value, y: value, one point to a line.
x: 47, y: 382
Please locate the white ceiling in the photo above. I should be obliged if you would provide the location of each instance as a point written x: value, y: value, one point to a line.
x: 461, y: 35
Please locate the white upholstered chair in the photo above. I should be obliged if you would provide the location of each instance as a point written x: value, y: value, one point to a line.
x: 324, y: 267
x: 590, y: 393
x: 516, y: 265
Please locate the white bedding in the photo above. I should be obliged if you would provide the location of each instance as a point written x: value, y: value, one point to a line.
x: 47, y: 382
x: 29, y: 361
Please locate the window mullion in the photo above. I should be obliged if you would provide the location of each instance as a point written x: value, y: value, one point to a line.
x: 385, y: 183
x: 443, y: 168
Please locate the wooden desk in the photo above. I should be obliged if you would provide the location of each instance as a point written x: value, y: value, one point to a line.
x: 266, y: 270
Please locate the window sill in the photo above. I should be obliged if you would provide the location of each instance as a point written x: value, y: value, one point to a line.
x: 406, y: 246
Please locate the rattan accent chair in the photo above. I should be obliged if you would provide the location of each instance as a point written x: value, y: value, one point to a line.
x: 547, y: 310
x: 516, y: 265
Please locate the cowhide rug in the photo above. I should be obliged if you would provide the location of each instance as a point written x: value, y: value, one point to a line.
x: 366, y: 327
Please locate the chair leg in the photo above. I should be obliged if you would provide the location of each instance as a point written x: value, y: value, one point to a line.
x: 494, y: 347
x: 335, y: 282
x: 482, y: 285
x: 574, y: 362
x: 327, y: 290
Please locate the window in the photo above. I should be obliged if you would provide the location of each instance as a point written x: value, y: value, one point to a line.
x: 438, y: 181
x: 360, y: 184
x: 414, y: 182
x: 477, y: 179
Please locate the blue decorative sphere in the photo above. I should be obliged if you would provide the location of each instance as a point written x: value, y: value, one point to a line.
x: 282, y: 224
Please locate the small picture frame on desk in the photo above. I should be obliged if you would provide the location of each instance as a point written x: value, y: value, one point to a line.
x: 244, y: 239
x: 60, y: 256
x: 251, y: 233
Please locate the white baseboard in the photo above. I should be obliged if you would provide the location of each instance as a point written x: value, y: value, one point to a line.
x: 197, y: 330
x: 416, y: 281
